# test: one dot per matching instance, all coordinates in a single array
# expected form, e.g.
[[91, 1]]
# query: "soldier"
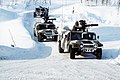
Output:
[[76, 26], [81, 27]]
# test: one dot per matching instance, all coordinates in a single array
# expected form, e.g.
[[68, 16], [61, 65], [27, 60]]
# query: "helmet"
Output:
[[77, 23]]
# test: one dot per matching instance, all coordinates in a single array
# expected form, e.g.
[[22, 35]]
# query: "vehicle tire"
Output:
[[39, 38], [34, 14], [99, 53], [60, 49], [72, 53], [55, 38], [34, 33]]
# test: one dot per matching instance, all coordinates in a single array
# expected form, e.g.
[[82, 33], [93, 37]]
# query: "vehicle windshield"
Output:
[[40, 27], [50, 27], [89, 36], [75, 36]]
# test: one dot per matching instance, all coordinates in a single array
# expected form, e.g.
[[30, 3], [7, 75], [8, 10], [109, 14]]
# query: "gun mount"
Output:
[[82, 26]]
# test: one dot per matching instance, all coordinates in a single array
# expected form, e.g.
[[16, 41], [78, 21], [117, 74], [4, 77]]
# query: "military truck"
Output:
[[46, 31], [77, 43], [41, 12], [80, 42]]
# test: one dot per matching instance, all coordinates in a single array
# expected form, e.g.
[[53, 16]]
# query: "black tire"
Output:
[[39, 38], [55, 38], [60, 49], [34, 33], [35, 14], [72, 53], [99, 53]]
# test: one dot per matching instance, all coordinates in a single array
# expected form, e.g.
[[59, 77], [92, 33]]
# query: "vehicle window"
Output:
[[75, 36], [68, 37], [89, 36], [40, 27], [51, 27]]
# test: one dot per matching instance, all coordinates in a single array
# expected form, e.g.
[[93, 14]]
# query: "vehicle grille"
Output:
[[48, 32], [88, 45]]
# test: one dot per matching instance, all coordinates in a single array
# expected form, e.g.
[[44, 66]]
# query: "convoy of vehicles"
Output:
[[76, 41]]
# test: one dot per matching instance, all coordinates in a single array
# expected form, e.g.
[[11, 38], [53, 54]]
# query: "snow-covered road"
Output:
[[33, 60], [59, 67]]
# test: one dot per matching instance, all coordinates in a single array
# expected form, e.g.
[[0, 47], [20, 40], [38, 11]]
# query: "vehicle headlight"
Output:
[[81, 45], [95, 46], [76, 45], [56, 32]]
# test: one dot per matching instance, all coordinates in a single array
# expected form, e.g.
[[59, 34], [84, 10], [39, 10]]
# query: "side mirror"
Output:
[[98, 37], [65, 36]]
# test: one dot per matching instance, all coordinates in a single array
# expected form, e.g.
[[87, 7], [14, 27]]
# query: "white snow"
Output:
[[22, 57]]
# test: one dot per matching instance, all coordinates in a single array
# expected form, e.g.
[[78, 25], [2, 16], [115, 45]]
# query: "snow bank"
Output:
[[7, 15], [16, 42], [16, 53]]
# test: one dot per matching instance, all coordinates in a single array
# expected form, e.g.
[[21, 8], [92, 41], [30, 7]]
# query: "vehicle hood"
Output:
[[87, 42], [44, 30], [82, 42]]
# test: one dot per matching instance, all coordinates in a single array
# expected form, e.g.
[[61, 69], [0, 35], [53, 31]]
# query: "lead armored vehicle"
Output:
[[80, 42], [77, 43]]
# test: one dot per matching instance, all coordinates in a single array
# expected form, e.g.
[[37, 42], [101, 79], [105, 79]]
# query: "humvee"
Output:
[[45, 31], [41, 12], [78, 42]]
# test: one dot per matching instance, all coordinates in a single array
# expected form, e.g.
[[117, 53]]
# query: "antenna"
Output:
[[62, 17]]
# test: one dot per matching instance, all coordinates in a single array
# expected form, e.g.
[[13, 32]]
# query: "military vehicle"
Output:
[[80, 42], [41, 12], [46, 31]]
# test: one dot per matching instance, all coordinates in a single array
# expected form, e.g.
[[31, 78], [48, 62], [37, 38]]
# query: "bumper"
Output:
[[88, 50]]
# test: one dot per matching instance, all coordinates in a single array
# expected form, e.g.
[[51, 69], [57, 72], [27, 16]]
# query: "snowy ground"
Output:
[[22, 57]]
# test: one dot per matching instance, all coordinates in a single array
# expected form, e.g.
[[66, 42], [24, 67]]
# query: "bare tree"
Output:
[[107, 1], [0, 2], [118, 6], [96, 2], [103, 2], [81, 1], [50, 2]]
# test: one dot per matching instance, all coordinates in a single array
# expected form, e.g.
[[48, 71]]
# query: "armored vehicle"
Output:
[[77, 43], [46, 31], [41, 12]]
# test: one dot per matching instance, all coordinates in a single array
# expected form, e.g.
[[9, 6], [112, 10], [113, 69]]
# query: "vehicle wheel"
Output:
[[34, 33], [39, 38], [99, 53], [34, 14], [60, 49], [55, 38], [72, 53]]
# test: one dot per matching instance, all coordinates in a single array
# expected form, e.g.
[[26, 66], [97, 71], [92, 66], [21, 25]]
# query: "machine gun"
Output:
[[84, 25], [49, 20]]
